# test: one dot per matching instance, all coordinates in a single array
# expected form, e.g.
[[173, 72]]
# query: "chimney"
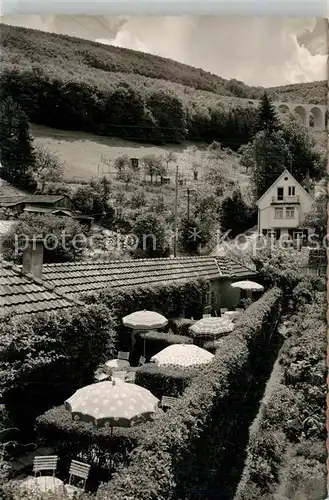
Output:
[[33, 258]]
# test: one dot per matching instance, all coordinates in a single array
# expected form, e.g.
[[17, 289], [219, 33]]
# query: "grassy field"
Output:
[[82, 154]]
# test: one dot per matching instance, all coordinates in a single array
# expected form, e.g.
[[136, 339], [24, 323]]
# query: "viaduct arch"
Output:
[[313, 116]]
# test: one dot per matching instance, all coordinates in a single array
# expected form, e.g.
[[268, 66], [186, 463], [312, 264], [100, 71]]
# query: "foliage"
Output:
[[286, 451], [149, 229], [170, 299], [62, 235], [151, 342], [94, 445], [16, 149], [180, 326], [268, 118], [270, 153], [317, 217], [161, 464], [93, 199], [195, 233], [46, 357], [164, 380], [235, 215], [47, 167]]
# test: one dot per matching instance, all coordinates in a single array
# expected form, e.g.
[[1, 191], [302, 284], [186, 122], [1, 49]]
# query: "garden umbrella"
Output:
[[182, 355], [211, 327], [144, 320], [252, 286], [108, 404]]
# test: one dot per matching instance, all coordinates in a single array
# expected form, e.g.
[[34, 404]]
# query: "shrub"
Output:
[[180, 326], [46, 357], [170, 299], [150, 343], [162, 462], [164, 380], [93, 445]]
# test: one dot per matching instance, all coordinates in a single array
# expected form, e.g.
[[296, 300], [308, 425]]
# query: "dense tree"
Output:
[[151, 238], [93, 200], [63, 237], [121, 163], [194, 234], [316, 219], [16, 149], [267, 119], [235, 215], [47, 167]]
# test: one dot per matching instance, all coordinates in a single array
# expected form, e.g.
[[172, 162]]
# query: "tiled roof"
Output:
[[73, 278], [36, 198], [22, 294]]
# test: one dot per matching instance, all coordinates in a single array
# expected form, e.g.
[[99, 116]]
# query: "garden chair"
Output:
[[45, 463], [123, 355], [167, 401], [141, 361], [119, 375], [223, 310], [79, 473], [239, 309]]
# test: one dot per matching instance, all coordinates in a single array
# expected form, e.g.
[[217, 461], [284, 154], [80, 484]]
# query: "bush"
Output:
[[46, 357], [93, 445], [294, 416], [164, 380], [181, 326], [170, 299], [150, 343], [161, 464]]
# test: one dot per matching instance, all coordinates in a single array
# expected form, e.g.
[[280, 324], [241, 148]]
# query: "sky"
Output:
[[264, 51]]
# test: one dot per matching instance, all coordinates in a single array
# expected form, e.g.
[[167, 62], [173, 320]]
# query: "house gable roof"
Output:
[[23, 294], [73, 278], [284, 173]]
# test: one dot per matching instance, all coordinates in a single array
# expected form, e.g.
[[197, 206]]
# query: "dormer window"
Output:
[[291, 191]]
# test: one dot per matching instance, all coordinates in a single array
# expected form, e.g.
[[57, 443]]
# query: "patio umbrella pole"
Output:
[[111, 450]]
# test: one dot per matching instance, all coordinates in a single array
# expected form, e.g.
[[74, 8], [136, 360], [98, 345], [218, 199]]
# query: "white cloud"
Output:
[[258, 51]]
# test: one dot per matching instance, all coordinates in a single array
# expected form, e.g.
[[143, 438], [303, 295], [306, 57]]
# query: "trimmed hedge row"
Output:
[[152, 342], [164, 380], [185, 298], [46, 357], [93, 445], [180, 326], [158, 465], [287, 451]]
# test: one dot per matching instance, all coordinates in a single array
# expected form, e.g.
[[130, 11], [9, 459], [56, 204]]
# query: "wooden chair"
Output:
[[223, 310], [80, 472], [167, 401], [45, 463]]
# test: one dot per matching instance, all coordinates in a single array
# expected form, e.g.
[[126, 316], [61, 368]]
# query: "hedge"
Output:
[[164, 380], [184, 298], [287, 451], [71, 439], [46, 357], [152, 342], [180, 326], [161, 465]]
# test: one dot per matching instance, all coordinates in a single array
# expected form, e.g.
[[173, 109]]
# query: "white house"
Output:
[[282, 208]]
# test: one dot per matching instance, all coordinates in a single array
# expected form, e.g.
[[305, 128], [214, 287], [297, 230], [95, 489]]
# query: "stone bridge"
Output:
[[313, 116]]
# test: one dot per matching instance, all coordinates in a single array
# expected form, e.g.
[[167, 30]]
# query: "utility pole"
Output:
[[175, 218], [188, 204]]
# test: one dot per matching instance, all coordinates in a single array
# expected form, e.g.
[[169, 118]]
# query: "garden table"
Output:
[[43, 484]]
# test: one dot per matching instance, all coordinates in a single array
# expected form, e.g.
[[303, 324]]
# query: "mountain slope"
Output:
[[22, 46]]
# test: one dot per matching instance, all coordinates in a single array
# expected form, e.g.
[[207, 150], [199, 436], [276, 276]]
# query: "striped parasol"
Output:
[[211, 327], [182, 355], [144, 320]]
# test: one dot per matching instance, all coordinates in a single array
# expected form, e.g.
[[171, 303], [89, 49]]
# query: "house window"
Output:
[[291, 191], [290, 212], [280, 194], [278, 213]]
